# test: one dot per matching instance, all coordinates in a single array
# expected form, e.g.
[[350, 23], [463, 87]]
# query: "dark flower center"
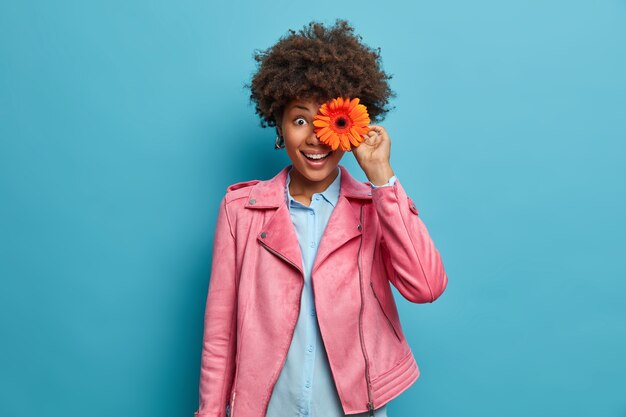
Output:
[[341, 122]]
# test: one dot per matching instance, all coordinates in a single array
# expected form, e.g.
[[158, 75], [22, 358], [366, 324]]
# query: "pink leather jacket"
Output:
[[374, 236]]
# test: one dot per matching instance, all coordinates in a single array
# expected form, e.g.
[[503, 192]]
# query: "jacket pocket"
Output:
[[382, 308], [412, 206]]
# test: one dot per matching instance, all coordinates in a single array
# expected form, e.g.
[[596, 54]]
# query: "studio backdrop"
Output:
[[122, 124]]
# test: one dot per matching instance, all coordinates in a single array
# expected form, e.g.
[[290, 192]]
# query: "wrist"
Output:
[[379, 175]]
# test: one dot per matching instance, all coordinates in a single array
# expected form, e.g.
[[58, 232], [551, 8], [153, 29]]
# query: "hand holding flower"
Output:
[[344, 122], [373, 155]]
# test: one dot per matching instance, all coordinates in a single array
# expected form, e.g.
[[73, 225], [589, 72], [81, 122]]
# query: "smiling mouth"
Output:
[[316, 157]]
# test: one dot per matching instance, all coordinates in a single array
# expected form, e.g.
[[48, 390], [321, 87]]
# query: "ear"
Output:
[[278, 122]]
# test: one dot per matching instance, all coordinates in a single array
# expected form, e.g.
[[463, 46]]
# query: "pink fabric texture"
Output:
[[374, 238]]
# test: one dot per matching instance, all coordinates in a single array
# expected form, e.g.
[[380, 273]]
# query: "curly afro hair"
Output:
[[319, 63]]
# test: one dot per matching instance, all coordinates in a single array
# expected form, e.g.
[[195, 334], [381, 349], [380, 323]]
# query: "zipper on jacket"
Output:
[[232, 405], [393, 329], [293, 325], [281, 256], [370, 403]]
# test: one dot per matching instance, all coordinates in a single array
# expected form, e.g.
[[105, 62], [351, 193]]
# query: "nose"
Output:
[[314, 141]]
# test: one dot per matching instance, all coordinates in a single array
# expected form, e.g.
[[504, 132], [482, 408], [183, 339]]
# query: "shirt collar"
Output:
[[331, 193]]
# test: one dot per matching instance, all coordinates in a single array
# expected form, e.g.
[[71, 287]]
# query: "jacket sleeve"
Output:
[[219, 339], [411, 259]]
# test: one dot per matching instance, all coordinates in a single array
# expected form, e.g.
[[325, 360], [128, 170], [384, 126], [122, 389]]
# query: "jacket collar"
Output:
[[271, 193], [278, 233]]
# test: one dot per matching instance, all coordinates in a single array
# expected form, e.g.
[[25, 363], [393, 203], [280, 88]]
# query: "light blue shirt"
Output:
[[305, 386]]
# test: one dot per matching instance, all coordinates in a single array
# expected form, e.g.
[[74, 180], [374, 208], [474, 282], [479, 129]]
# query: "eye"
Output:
[[298, 119]]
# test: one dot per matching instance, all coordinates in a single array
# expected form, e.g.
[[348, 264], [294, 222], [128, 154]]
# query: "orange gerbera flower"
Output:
[[341, 121]]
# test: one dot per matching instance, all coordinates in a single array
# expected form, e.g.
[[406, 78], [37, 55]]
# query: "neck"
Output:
[[299, 185]]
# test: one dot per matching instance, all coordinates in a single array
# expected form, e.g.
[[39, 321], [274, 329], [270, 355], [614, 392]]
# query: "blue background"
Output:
[[122, 123]]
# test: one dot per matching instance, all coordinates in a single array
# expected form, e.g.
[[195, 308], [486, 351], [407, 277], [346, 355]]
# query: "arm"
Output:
[[411, 260], [220, 318], [414, 264]]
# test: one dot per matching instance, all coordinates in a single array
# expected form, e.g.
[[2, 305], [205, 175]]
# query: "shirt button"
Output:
[[312, 312], [312, 244], [311, 213], [317, 197], [310, 348], [308, 385]]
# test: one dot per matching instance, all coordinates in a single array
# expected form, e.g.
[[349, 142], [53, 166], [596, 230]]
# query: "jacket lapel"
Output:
[[281, 238], [343, 226], [278, 234]]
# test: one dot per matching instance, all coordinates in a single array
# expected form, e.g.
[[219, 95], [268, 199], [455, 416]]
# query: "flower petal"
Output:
[[323, 131], [355, 139], [358, 111], [327, 135], [333, 141], [320, 123], [361, 120], [362, 130], [353, 104], [345, 143]]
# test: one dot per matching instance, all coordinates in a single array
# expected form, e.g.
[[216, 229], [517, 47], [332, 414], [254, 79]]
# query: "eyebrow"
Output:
[[300, 107]]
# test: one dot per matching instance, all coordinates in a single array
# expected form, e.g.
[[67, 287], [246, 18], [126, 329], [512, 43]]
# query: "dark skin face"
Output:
[[296, 127]]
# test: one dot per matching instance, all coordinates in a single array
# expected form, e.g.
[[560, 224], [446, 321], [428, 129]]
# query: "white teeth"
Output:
[[316, 156]]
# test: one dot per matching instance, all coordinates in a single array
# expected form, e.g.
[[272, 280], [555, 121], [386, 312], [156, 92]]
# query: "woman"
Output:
[[300, 317]]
